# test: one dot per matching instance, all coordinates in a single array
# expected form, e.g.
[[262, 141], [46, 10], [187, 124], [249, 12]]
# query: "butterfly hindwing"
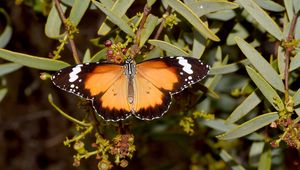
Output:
[[113, 104], [150, 101]]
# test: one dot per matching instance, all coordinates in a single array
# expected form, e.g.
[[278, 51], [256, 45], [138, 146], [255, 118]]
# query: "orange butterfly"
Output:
[[143, 90]]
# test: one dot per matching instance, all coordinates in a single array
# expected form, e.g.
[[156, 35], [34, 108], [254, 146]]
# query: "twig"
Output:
[[289, 49], [161, 26], [135, 48], [81, 123], [63, 19]]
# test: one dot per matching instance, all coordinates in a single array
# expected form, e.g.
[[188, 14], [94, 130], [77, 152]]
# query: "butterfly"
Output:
[[144, 90]]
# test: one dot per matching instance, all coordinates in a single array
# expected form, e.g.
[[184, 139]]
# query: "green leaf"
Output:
[[193, 19], [233, 164], [168, 47], [107, 3], [228, 68], [99, 55], [270, 5], [244, 108], [149, 27], [78, 10], [262, 18], [296, 97], [32, 61], [115, 16], [87, 56], [154, 53], [208, 6], [7, 32], [265, 160], [255, 152], [8, 68], [198, 44], [53, 24], [296, 5], [295, 62], [224, 15], [260, 63], [288, 4], [150, 2], [270, 94], [238, 30], [250, 126], [3, 92], [218, 124], [281, 61]]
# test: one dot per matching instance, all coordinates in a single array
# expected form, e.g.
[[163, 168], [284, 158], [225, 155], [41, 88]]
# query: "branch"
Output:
[[161, 26], [63, 19], [289, 48], [135, 48]]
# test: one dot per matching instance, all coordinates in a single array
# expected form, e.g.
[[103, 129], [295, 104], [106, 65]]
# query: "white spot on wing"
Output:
[[73, 75], [186, 66]]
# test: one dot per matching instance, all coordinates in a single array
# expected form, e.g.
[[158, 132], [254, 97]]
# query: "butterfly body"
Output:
[[143, 90]]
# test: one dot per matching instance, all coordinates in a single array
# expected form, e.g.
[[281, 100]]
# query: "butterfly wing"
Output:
[[157, 79], [104, 84]]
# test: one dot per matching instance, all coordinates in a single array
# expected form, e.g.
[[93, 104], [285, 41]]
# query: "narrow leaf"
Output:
[[148, 29], [260, 63], [228, 68], [230, 161], [3, 92], [32, 61], [119, 8], [198, 44], [78, 10], [244, 108], [7, 32], [208, 6], [99, 55], [288, 4], [189, 15], [270, 5], [250, 126], [218, 124], [296, 97], [270, 94], [87, 56], [281, 61], [255, 152], [238, 30], [114, 18], [53, 24], [8, 68], [265, 160], [262, 18], [295, 62], [168, 47]]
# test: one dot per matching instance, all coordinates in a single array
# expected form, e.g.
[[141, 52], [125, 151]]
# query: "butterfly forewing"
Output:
[[173, 73]]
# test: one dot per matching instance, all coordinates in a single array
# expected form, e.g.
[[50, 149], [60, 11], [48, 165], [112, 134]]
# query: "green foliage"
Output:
[[244, 109]]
